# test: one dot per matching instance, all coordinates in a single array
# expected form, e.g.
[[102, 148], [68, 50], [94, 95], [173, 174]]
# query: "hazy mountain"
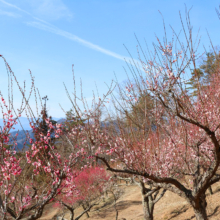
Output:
[[21, 138], [25, 123]]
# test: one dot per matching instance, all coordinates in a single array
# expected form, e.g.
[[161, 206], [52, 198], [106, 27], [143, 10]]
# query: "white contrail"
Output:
[[73, 37], [43, 25], [14, 6]]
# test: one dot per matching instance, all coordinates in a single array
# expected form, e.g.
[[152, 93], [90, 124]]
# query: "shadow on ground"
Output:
[[120, 206], [179, 211]]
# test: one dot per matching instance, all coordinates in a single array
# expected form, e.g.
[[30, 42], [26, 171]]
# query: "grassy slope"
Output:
[[129, 205]]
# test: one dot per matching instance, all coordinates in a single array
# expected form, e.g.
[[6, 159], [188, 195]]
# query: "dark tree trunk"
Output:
[[71, 214], [200, 208], [148, 208], [116, 212], [200, 213], [84, 208], [210, 190]]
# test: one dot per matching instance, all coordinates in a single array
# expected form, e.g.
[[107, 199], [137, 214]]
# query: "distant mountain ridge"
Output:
[[21, 138], [26, 123]]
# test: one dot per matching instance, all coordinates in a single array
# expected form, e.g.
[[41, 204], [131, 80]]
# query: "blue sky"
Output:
[[48, 36]]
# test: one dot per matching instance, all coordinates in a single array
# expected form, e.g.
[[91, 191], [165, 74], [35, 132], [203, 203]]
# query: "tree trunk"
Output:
[[116, 211], [200, 209], [84, 208], [71, 214], [148, 208], [200, 213], [210, 190]]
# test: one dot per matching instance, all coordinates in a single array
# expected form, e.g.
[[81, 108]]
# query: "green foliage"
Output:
[[141, 110], [202, 75], [42, 126], [72, 120], [140, 116], [8, 146]]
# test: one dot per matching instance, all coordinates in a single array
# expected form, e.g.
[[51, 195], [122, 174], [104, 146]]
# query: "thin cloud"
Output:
[[43, 25], [51, 9], [10, 14], [15, 7], [75, 38]]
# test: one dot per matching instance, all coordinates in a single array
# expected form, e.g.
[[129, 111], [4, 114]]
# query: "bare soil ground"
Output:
[[129, 206]]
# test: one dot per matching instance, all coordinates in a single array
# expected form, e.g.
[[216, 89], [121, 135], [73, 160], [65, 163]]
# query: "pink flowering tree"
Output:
[[32, 178], [180, 150], [85, 190], [22, 195]]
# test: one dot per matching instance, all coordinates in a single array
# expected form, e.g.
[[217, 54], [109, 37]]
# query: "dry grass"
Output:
[[170, 207]]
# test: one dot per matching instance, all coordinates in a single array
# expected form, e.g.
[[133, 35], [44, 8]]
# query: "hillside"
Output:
[[129, 205]]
